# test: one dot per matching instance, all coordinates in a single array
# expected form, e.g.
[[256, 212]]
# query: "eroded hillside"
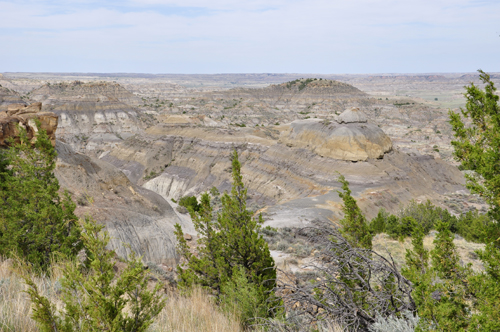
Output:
[[127, 154], [93, 117]]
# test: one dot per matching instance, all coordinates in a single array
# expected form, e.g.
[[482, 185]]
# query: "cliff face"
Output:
[[25, 115]]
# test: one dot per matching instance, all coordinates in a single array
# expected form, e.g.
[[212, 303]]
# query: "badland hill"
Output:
[[128, 150]]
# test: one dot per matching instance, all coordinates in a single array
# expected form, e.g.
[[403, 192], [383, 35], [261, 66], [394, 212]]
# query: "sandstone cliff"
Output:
[[25, 115]]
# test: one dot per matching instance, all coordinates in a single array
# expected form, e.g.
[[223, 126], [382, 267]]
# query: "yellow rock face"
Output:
[[25, 116], [352, 141]]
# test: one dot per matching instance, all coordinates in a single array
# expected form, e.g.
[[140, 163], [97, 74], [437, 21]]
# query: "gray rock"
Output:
[[132, 215], [353, 115]]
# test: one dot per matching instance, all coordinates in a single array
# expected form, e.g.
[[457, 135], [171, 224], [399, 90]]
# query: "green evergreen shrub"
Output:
[[35, 220], [230, 241], [96, 298], [378, 224], [441, 292], [486, 288], [418, 258], [392, 227], [444, 255], [477, 146], [354, 227], [476, 227], [190, 203], [4, 171], [244, 297], [406, 227], [426, 214]]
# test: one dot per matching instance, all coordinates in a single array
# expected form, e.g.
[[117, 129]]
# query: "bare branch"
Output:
[[353, 286]]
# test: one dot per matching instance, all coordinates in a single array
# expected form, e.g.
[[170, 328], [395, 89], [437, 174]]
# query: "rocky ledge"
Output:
[[25, 116]]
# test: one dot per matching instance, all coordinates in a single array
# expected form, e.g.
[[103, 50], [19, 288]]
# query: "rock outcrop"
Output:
[[26, 115], [349, 138], [353, 115], [56, 94]]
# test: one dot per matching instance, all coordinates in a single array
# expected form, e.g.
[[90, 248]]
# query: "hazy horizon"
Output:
[[248, 73]]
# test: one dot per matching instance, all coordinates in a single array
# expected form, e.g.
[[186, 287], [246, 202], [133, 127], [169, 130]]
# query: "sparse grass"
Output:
[[15, 306], [195, 312], [286, 240]]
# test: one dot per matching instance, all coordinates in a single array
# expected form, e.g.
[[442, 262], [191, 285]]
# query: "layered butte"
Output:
[[350, 137], [92, 116]]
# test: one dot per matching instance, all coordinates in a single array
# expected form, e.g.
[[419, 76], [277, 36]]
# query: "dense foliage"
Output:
[[190, 203], [354, 227], [477, 144], [36, 221], [473, 226], [231, 252], [440, 290], [477, 147]]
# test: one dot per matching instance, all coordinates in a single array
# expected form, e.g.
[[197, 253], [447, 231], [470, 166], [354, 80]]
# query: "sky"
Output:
[[250, 36]]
